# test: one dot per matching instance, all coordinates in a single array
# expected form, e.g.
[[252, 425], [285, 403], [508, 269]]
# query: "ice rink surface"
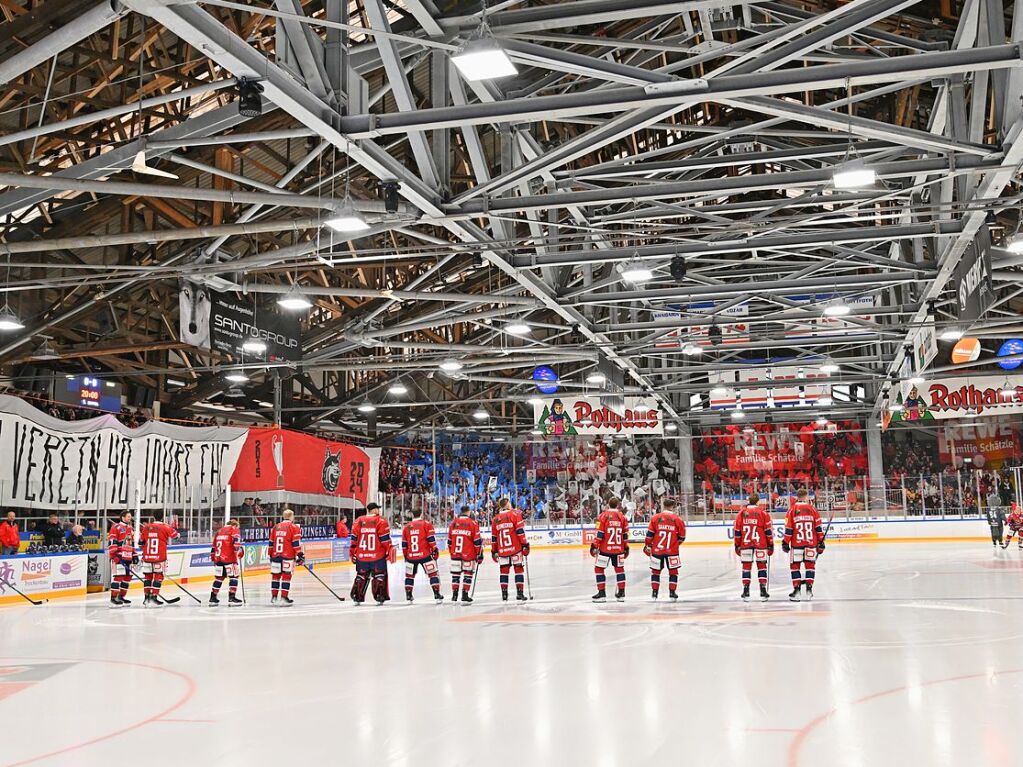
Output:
[[910, 654]]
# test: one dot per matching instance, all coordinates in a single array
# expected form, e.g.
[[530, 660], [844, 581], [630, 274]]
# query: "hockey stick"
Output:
[[183, 589], [529, 585], [241, 576], [171, 601], [475, 579], [35, 602], [328, 588]]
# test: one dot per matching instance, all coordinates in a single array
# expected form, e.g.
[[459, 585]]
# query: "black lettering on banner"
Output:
[[46, 489], [186, 480], [19, 451], [62, 499], [257, 452], [30, 463], [356, 477]]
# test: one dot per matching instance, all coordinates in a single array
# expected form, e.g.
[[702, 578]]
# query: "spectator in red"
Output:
[[341, 529], [10, 540]]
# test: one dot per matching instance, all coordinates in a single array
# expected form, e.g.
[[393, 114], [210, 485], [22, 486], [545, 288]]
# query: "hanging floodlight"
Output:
[[596, 379], [237, 376], [367, 407], [518, 329], [250, 98], [670, 427], [853, 174], [398, 389], [347, 220], [837, 308], [636, 272], [8, 319], [481, 415], [829, 366], [482, 58], [691, 349], [451, 366], [294, 300]]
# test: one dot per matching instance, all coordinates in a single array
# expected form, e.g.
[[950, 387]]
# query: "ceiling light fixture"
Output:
[[635, 272], [518, 329], [250, 98], [738, 415], [670, 427], [237, 376], [596, 379], [294, 300], [482, 58], [691, 349], [837, 308], [829, 366], [347, 220], [481, 415], [367, 407], [397, 389], [450, 366], [951, 334], [8, 319]]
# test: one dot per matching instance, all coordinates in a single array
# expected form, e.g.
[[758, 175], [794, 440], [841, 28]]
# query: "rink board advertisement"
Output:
[[43, 577], [99, 463], [279, 465], [587, 417]]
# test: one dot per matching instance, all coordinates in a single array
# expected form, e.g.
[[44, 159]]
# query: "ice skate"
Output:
[[764, 596], [600, 596], [794, 596], [745, 593]]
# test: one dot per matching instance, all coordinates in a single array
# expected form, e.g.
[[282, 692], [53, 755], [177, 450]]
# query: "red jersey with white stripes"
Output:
[[507, 533], [285, 540], [121, 542], [665, 533], [418, 539], [752, 529], [227, 546], [612, 532], [153, 538], [803, 526], [371, 538], [464, 539]]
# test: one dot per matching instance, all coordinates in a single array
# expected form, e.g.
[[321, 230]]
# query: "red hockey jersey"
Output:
[[612, 532], [371, 538], [752, 529], [465, 542], [665, 533], [803, 526], [153, 538], [507, 533], [227, 546], [418, 540], [121, 542], [285, 540]]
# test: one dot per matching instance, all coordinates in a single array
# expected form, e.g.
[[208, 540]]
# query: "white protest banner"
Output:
[[100, 463]]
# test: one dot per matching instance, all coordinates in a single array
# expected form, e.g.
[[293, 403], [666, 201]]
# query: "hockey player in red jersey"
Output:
[[509, 547], [419, 547], [228, 554], [803, 541], [121, 550], [285, 553], [1015, 524], [664, 535], [753, 538], [465, 545], [611, 547], [371, 544], [153, 538]]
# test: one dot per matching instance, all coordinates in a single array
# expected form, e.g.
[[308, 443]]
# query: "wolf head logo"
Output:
[[331, 470]]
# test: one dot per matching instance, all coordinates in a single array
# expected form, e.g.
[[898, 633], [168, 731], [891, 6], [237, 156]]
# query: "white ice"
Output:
[[910, 654]]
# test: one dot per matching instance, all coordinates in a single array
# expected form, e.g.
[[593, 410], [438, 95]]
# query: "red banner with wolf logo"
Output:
[[290, 464]]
